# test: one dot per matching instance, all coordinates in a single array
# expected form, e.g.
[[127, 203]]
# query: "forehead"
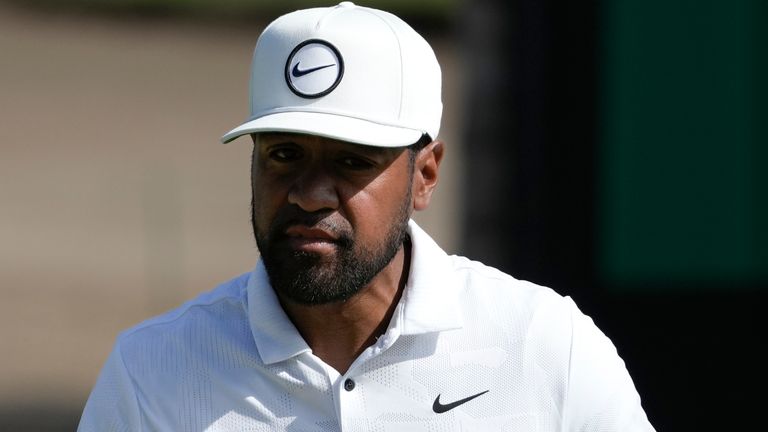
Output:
[[270, 138]]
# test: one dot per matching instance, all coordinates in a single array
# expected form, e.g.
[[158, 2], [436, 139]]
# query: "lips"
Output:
[[310, 239], [299, 231]]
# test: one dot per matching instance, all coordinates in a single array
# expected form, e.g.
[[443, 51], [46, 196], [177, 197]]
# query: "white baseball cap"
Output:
[[346, 72]]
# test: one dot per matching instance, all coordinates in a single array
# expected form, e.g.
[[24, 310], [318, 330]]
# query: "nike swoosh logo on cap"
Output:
[[439, 408], [296, 72]]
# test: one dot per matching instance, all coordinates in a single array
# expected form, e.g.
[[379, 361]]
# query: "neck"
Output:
[[339, 332]]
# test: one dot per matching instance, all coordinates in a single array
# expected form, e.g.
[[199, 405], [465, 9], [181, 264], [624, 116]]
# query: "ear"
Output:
[[426, 171]]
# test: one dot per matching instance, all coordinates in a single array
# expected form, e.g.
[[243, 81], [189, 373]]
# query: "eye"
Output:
[[354, 163], [285, 153]]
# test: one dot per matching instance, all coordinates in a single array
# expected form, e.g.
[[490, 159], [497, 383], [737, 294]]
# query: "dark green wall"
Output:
[[683, 190]]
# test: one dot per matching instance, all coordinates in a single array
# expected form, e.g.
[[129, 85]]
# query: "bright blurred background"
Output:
[[614, 150]]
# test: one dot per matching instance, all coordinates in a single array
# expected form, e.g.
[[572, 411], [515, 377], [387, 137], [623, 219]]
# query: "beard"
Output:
[[312, 279]]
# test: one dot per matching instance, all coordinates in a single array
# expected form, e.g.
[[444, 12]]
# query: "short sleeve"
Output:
[[112, 405], [600, 395]]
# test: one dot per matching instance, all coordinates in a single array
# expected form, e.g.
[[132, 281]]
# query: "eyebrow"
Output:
[[371, 150], [259, 137]]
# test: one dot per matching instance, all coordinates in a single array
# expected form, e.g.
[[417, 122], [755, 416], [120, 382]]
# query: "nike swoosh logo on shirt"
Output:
[[441, 408], [296, 72]]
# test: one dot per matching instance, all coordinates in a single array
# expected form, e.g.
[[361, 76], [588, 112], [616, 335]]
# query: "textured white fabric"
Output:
[[231, 360]]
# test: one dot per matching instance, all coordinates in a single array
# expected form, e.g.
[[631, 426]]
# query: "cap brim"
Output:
[[334, 126]]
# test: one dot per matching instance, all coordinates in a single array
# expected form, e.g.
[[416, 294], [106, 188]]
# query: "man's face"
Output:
[[328, 216]]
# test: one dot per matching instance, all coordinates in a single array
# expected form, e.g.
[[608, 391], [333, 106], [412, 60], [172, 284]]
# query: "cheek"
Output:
[[265, 203], [377, 206]]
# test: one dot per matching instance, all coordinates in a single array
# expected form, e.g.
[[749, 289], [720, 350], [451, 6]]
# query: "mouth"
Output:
[[308, 239]]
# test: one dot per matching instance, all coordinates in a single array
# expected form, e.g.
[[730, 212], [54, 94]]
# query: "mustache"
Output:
[[326, 220]]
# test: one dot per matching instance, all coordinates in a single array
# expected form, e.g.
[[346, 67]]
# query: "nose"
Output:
[[314, 190]]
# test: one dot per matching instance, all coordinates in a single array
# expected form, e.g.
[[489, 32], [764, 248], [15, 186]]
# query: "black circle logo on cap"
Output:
[[314, 69]]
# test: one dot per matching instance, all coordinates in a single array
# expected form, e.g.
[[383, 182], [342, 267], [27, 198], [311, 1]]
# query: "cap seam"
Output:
[[400, 56], [329, 12]]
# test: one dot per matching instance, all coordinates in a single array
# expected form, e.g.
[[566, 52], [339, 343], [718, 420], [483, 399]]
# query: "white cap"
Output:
[[346, 72]]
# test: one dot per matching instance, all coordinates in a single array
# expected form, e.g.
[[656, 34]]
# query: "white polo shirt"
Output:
[[469, 348]]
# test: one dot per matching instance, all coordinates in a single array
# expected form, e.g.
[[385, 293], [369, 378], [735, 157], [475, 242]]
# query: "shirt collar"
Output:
[[276, 337], [429, 303]]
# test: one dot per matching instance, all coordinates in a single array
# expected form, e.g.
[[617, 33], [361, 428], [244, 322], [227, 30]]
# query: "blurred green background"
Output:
[[684, 135]]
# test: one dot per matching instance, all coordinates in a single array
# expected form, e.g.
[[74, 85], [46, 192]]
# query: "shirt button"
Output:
[[349, 385]]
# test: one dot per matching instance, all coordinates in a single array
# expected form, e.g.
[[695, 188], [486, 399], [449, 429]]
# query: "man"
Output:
[[354, 319]]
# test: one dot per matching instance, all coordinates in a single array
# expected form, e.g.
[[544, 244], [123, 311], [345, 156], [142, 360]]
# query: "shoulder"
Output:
[[479, 280], [203, 315], [532, 315], [151, 362]]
